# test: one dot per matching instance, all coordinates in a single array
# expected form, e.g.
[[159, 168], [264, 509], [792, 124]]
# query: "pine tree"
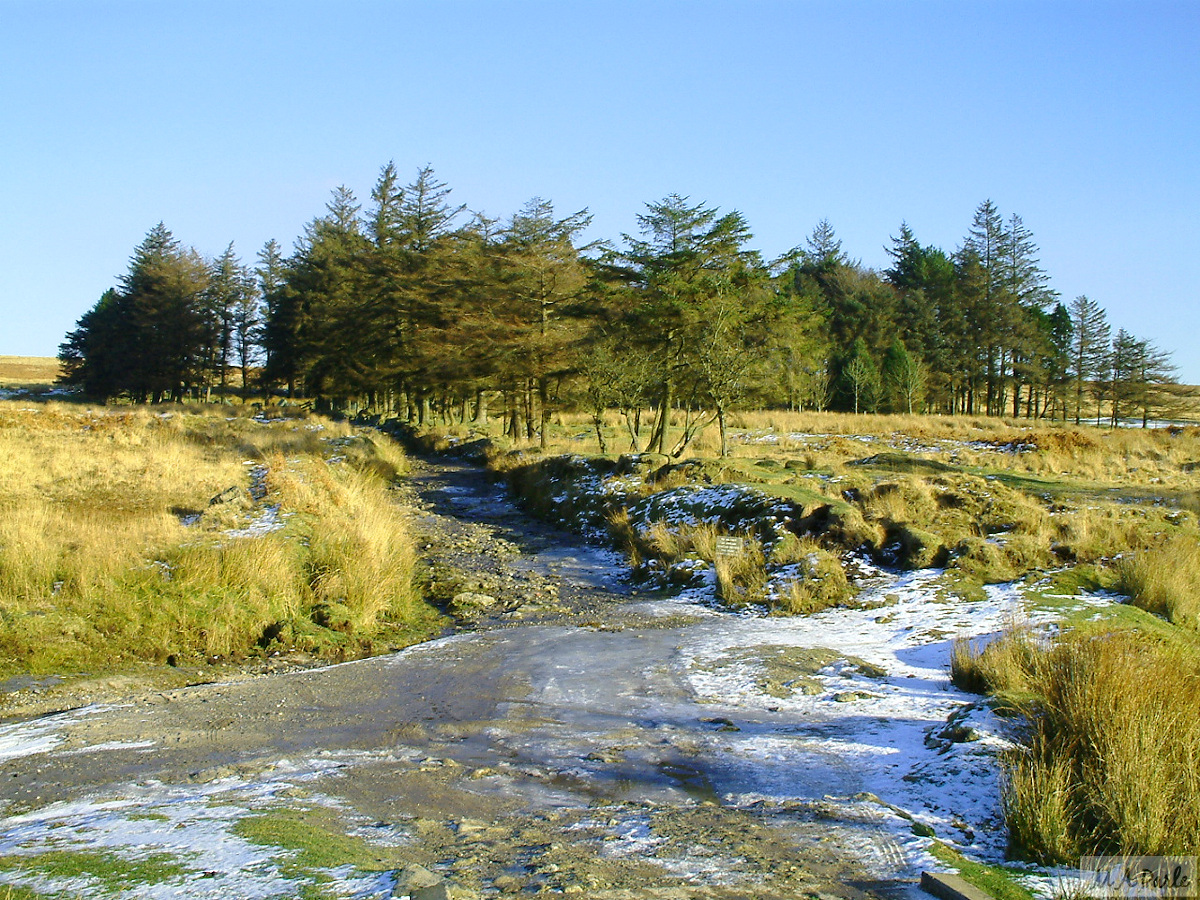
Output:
[[993, 311], [665, 268], [227, 296], [162, 318], [279, 331], [927, 314], [95, 354], [1089, 348], [902, 379], [542, 272]]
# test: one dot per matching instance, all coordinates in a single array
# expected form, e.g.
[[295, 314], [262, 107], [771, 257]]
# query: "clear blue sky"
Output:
[[232, 121]]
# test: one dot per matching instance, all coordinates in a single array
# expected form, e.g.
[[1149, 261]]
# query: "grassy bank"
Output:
[[1110, 766], [178, 536]]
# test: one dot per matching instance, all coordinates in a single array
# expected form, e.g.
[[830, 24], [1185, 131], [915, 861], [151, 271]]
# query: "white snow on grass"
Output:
[[268, 519], [18, 739], [28, 738], [869, 736], [193, 824]]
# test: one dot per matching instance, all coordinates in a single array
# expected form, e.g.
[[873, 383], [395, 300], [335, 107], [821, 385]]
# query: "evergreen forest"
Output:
[[412, 305]]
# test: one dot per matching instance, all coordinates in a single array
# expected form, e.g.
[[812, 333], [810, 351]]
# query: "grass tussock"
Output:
[[1111, 766], [816, 578], [112, 550], [1165, 579], [742, 576]]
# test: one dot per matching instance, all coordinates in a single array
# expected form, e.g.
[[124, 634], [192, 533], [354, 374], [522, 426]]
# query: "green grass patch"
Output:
[[997, 881], [111, 871], [149, 817], [957, 584], [905, 463], [316, 839], [21, 892]]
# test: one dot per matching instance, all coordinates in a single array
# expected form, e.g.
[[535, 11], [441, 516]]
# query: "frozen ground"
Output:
[[664, 743]]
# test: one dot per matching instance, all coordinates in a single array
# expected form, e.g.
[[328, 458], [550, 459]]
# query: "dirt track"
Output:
[[554, 744]]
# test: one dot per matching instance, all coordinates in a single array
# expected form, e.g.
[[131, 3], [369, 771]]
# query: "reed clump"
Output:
[[1165, 579], [1110, 765], [815, 580]]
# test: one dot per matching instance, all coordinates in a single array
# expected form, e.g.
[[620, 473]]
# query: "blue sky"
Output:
[[232, 121]]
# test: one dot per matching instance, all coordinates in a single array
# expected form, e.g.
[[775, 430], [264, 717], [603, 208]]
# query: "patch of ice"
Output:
[[26, 739], [268, 520], [877, 735]]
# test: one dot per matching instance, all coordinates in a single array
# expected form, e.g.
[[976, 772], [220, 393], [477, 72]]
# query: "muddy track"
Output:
[[554, 742]]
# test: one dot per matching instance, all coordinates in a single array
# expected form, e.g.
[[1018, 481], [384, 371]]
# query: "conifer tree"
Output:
[[1089, 349]]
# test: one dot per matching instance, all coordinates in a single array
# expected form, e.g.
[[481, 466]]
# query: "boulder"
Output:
[[418, 883]]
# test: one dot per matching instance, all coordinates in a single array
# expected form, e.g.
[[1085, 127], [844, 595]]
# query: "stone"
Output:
[[229, 495], [470, 600], [853, 696], [413, 878]]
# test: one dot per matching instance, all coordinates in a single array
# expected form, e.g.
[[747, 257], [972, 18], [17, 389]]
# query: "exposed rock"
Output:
[[229, 495], [413, 879], [853, 696], [470, 601], [960, 734]]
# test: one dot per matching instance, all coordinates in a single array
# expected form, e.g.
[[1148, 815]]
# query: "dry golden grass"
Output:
[[820, 580], [97, 565], [1165, 579], [29, 370], [1112, 765], [902, 500]]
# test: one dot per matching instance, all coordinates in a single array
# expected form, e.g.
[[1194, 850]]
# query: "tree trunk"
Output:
[[481, 406], [544, 400], [598, 421], [664, 424], [529, 410], [513, 428], [632, 425]]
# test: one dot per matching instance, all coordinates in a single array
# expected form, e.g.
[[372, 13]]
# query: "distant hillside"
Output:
[[28, 370]]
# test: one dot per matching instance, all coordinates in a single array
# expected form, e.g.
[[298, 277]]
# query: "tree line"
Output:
[[416, 306]]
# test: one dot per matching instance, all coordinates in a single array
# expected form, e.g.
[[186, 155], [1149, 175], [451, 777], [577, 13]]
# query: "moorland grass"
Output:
[[1111, 764], [1165, 579], [991, 499], [29, 371], [111, 551]]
